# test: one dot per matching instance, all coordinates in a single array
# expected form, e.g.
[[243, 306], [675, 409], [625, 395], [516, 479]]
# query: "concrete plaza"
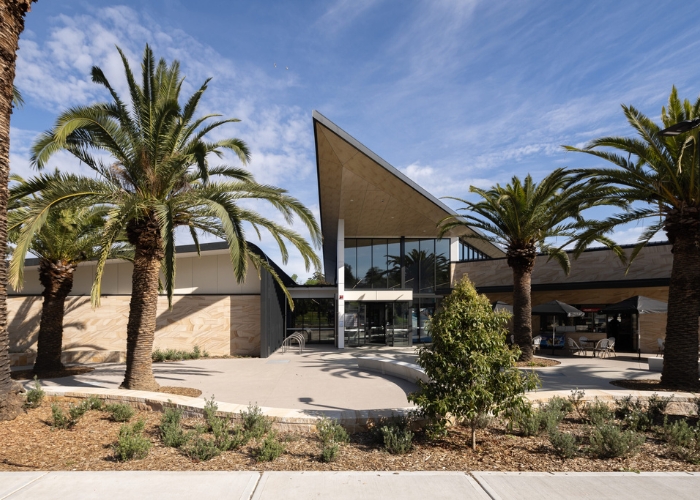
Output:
[[324, 378]]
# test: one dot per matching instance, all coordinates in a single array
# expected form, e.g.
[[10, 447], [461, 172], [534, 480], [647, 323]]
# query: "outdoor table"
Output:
[[586, 343]]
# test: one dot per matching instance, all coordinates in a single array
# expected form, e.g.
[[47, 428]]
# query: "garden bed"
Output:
[[537, 363], [30, 443]]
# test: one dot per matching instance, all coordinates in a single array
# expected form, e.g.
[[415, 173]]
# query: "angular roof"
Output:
[[371, 196]]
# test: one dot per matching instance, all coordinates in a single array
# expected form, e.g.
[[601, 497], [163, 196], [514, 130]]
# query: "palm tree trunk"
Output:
[[681, 350], [141, 327], [522, 310], [12, 14], [57, 279]]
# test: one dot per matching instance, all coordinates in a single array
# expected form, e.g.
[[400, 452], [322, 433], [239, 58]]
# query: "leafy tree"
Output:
[[660, 177], [317, 278], [12, 13], [472, 371], [159, 178], [68, 237], [524, 217]]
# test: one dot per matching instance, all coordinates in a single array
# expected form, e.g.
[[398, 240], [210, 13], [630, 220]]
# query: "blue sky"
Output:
[[452, 92]]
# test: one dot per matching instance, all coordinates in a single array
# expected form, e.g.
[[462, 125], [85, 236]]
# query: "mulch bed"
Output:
[[68, 371], [180, 391], [537, 363], [29, 443], [646, 385]]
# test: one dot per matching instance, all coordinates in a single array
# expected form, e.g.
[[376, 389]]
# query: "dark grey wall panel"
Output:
[[272, 308]]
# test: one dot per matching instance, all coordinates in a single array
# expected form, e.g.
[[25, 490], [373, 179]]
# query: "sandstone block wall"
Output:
[[219, 324]]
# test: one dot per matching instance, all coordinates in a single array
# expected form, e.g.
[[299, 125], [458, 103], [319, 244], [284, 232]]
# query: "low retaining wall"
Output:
[[288, 420], [82, 356], [407, 371]]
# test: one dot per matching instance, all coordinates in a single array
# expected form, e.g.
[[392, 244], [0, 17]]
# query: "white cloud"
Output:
[[53, 72]]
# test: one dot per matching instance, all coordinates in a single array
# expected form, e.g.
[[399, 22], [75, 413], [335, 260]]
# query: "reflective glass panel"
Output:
[[377, 273], [350, 263], [442, 263], [427, 266], [394, 264], [364, 263], [412, 262]]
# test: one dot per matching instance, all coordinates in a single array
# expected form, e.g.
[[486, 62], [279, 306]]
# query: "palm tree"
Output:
[[12, 14], [523, 217], [68, 237], [159, 178], [661, 176]]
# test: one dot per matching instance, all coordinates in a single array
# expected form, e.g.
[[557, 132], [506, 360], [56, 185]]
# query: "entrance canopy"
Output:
[[373, 198], [637, 304]]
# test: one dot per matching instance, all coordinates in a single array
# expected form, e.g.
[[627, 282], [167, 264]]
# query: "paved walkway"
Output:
[[325, 378], [348, 485], [318, 379]]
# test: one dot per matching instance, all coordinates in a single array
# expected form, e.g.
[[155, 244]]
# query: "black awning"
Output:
[[637, 304], [557, 308]]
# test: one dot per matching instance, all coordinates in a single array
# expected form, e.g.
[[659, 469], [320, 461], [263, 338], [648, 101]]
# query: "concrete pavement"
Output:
[[348, 485]]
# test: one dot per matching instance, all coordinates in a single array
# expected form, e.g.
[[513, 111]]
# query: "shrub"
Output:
[[577, 402], [131, 444], [200, 447], [171, 431], [684, 441], [332, 434], [270, 449], [210, 409], [656, 408], [632, 414], [472, 370], [255, 423], [93, 403], [59, 419], [608, 440], [120, 412], [564, 444], [329, 452], [330, 431], [530, 421], [75, 412], [35, 395], [158, 356], [397, 437], [527, 421], [598, 412]]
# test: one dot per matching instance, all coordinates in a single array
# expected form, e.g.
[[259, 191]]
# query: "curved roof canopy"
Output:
[[372, 197]]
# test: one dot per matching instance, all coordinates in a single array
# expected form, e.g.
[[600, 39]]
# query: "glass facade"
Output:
[[376, 263], [372, 263], [314, 318], [468, 252], [422, 310]]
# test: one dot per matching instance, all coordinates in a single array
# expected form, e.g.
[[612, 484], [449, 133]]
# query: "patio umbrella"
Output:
[[640, 305], [502, 306], [556, 308]]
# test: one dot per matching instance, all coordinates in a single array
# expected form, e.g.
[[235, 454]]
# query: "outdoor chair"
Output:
[[602, 347], [574, 348], [536, 343], [611, 346], [661, 345]]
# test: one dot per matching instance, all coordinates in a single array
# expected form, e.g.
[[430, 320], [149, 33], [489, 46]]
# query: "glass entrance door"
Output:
[[377, 323]]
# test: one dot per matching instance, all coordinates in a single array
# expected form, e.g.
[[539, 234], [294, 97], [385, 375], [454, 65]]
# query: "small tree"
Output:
[[472, 371]]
